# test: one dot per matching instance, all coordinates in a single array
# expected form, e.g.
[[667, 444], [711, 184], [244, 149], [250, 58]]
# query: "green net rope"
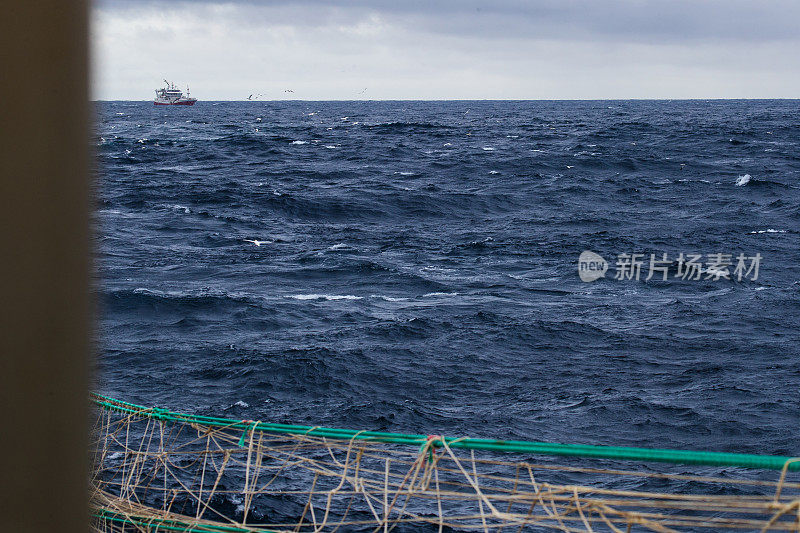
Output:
[[687, 457]]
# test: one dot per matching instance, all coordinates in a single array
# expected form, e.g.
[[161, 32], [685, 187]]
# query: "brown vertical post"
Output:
[[44, 245]]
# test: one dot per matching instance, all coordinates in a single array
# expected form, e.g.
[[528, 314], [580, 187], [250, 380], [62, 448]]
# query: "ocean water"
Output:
[[416, 267]]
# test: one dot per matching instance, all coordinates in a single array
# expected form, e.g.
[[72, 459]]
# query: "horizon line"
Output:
[[470, 99]]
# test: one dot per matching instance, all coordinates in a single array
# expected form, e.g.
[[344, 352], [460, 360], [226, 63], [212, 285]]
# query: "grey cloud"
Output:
[[450, 49], [640, 21]]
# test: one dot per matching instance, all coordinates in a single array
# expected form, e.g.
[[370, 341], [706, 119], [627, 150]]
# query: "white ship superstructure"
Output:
[[171, 95]]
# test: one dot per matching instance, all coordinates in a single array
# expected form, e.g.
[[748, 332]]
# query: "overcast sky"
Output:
[[450, 49]]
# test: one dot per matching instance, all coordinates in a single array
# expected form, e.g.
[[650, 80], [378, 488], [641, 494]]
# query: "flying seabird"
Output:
[[257, 243]]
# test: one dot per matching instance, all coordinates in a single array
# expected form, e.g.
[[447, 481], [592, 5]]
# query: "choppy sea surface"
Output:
[[416, 267]]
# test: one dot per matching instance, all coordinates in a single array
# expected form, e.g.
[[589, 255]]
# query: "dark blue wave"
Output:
[[415, 267]]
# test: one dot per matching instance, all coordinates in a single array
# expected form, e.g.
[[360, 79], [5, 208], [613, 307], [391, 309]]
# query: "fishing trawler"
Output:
[[171, 95]]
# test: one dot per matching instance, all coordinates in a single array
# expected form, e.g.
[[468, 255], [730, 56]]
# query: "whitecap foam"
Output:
[[436, 294], [299, 142], [437, 269], [743, 180], [240, 403], [339, 246], [330, 146], [142, 290], [324, 297], [494, 172], [488, 149], [770, 230], [389, 298], [238, 503]]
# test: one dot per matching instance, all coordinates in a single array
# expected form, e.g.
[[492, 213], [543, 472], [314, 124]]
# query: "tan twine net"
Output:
[[160, 475]]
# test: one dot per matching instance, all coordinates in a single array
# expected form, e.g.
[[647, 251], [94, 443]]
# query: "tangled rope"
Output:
[[157, 470]]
